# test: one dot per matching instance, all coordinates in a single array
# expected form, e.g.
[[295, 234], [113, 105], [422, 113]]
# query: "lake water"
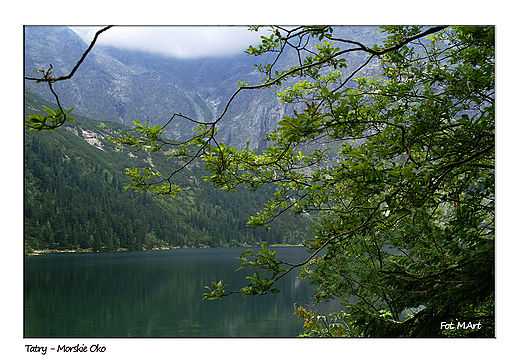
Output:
[[157, 294]]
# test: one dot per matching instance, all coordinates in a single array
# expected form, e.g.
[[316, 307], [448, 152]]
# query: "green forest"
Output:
[[75, 199]]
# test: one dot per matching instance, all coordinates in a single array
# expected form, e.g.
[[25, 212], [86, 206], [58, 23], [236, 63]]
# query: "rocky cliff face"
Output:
[[120, 85]]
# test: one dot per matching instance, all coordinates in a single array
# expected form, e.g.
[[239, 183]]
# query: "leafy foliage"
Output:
[[258, 285], [407, 198], [53, 120], [332, 325]]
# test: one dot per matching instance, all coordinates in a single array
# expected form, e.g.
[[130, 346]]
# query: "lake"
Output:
[[158, 294]]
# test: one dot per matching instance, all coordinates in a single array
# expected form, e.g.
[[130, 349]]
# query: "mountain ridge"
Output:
[[124, 85]]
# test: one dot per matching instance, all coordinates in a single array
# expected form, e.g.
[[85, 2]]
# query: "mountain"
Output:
[[122, 86], [74, 178], [75, 197], [125, 85]]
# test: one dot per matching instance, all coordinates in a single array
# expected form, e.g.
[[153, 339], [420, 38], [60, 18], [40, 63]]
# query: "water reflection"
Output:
[[156, 294]]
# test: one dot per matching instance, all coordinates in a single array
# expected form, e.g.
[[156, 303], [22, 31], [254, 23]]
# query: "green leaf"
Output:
[[50, 112], [402, 212], [356, 154]]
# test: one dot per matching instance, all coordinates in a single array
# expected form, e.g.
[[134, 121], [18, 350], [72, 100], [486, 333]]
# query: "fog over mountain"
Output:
[[122, 85], [184, 42]]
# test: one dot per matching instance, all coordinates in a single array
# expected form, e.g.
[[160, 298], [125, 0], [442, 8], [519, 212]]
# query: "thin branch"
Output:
[[75, 68]]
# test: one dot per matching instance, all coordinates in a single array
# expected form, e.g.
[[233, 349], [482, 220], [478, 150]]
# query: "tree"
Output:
[[407, 202], [399, 168]]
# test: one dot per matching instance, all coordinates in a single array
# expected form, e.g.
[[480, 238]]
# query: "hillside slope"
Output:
[[75, 197]]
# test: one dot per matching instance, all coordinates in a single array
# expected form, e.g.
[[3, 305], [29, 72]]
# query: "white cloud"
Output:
[[177, 41]]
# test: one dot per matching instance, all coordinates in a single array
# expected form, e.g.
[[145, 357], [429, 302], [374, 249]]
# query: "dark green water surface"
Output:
[[157, 294]]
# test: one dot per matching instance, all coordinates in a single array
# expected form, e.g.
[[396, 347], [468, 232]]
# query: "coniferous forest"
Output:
[[75, 198]]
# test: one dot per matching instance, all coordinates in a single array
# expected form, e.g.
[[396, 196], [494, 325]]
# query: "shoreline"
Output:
[[55, 251]]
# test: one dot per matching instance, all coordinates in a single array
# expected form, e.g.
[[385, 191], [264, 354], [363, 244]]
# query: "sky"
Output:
[[177, 41]]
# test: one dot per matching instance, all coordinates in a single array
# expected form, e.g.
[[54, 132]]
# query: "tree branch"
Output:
[[49, 79]]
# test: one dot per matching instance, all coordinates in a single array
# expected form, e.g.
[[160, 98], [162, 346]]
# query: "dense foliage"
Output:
[[407, 201]]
